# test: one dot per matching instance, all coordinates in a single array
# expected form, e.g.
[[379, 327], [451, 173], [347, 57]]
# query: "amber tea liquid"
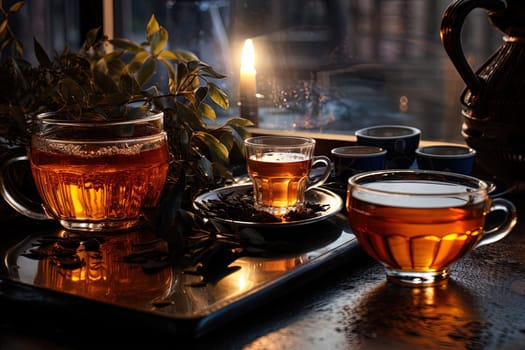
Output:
[[414, 233], [92, 182], [280, 180]]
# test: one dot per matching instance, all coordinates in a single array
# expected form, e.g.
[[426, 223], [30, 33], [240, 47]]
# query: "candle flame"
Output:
[[248, 57]]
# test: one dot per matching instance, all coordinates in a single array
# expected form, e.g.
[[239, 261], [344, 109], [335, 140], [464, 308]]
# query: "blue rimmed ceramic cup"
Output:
[[454, 158], [400, 142], [350, 160]]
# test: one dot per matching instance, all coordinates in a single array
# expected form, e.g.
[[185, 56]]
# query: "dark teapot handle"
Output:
[[451, 25]]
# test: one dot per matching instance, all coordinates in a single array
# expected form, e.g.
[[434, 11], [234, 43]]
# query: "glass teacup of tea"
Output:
[[92, 174], [418, 222], [282, 169]]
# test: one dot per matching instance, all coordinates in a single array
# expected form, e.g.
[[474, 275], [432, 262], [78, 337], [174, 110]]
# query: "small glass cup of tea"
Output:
[[418, 222], [282, 169], [92, 174]]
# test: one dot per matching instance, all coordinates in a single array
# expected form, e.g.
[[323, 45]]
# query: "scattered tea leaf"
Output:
[[63, 251], [237, 204]]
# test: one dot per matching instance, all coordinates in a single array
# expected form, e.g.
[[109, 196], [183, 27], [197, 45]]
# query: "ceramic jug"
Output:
[[494, 98]]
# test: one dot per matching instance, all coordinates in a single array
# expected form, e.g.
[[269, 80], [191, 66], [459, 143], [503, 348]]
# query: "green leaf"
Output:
[[113, 62], [172, 73], [218, 152], [186, 55], [200, 94], [129, 85], [137, 61], [238, 137], [41, 55], [3, 25], [91, 38], [104, 82], [227, 139], [182, 73], [16, 7], [146, 71], [71, 92], [101, 66], [19, 47], [194, 66], [208, 111], [152, 27], [3, 40], [19, 81], [115, 67], [159, 41], [4, 43], [207, 71], [168, 55], [188, 116], [218, 96], [239, 122], [206, 168], [126, 45]]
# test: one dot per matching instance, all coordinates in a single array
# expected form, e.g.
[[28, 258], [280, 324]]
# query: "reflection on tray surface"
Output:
[[89, 266], [115, 268]]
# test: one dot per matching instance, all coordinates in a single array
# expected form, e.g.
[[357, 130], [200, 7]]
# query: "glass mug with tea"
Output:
[[282, 169], [418, 222], [92, 175]]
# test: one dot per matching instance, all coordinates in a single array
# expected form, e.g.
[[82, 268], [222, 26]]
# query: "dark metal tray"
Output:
[[114, 292]]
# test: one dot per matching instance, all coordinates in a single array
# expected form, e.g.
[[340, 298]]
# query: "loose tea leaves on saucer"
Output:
[[235, 204]]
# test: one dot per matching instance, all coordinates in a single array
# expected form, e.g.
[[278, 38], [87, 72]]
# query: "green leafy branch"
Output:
[[117, 78]]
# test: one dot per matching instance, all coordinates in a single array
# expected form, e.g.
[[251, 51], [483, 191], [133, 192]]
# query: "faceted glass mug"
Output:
[[418, 222], [92, 174], [282, 169]]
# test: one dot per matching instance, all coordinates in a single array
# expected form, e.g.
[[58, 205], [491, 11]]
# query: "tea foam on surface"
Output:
[[418, 194]]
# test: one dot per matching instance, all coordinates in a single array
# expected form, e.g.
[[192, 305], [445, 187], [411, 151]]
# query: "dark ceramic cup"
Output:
[[400, 142], [350, 160], [454, 158]]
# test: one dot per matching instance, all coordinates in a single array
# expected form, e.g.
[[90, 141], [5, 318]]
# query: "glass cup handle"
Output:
[[319, 178], [504, 227], [14, 196]]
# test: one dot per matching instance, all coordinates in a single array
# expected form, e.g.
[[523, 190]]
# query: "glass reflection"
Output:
[[443, 317], [175, 291], [103, 275]]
